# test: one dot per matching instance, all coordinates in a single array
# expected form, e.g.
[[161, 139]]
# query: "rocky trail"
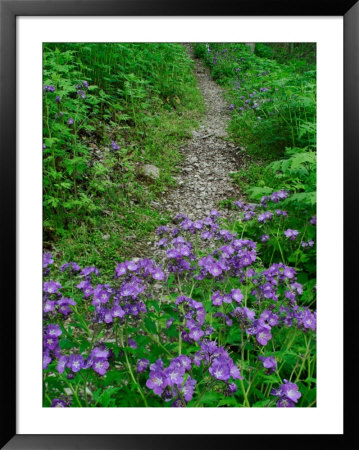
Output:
[[203, 181]]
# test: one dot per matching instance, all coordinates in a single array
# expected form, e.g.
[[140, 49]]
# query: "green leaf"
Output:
[[105, 397], [66, 343], [261, 404], [150, 325]]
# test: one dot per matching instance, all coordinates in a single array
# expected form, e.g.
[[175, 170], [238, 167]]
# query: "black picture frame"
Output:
[[9, 10]]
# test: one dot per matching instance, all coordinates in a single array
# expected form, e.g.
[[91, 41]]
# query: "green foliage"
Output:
[[141, 96], [274, 103]]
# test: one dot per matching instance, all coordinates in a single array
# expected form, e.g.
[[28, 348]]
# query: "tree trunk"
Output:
[[251, 45]]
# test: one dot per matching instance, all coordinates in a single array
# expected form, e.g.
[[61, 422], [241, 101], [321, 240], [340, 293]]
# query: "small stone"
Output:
[[151, 171]]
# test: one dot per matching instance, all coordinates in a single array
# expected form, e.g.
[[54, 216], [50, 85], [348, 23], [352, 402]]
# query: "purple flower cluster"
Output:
[[279, 195], [126, 299], [269, 363], [310, 243], [272, 297], [291, 234], [232, 259], [263, 218], [97, 360], [53, 301], [49, 88], [60, 403], [193, 314], [83, 84], [235, 294], [172, 383], [81, 93], [303, 318], [289, 394], [51, 348], [143, 268], [218, 361], [47, 260], [261, 330], [267, 283], [74, 267]]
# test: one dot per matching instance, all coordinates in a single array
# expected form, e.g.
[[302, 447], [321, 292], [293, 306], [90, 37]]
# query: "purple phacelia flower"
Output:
[[263, 334], [279, 195], [117, 311], [49, 306], [220, 369], [288, 272], [75, 363], [49, 88], [100, 352], [51, 287], [132, 343], [196, 333], [174, 375], [47, 260], [217, 299], [231, 389], [279, 212], [291, 391], [50, 342], [285, 403], [157, 381], [81, 93], [54, 330], [188, 389], [121, 270], [46, 359], [237, 295], [269, 363], [291, 234], [70, 121], [114, 145], [100, 365], [142, 365], [58, 403], [62, 363], [158, 274]]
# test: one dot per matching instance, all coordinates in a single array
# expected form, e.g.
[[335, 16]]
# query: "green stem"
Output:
[[246, 402], [304, 360], [74, 393], [156, 341], [48, 398], [130, 370], [202, 394]]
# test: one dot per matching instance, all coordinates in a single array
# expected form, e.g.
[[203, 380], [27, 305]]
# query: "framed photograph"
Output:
[[171, 220]]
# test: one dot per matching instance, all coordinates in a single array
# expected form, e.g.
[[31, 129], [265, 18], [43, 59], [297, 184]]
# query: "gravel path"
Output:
[[203, 180], [208, 158]]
